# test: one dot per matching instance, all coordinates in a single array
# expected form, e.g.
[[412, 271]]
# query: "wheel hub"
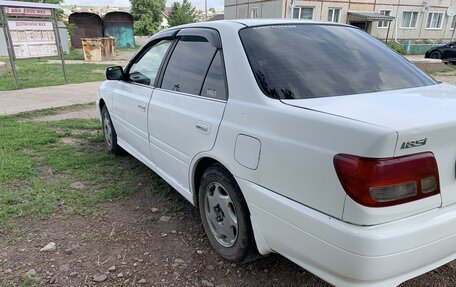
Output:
[[221, 214], [107, 130]]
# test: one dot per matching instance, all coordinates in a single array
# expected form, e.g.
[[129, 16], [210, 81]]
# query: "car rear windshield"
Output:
[[317, 60]]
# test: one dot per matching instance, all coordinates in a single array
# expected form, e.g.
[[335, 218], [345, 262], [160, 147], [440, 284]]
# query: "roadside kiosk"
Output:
[[30, 31]]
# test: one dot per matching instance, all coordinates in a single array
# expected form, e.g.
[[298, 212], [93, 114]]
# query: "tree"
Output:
[[212, 10], [147, 15], [43, 1], [181, 13]]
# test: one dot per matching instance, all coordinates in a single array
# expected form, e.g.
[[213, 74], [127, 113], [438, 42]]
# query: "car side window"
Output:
[[214, 84], [188, 65], [146, 68]]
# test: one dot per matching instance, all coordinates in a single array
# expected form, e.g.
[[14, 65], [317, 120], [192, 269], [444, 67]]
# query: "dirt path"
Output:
[[87, 112], [121, 58], [17, 101], [446, 77]]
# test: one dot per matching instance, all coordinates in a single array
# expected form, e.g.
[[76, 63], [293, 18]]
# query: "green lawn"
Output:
[[42, 164], [36, 73]]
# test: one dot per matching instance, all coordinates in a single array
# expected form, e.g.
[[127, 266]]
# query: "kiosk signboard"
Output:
[[30, 31], [33, 39], [27, 12]]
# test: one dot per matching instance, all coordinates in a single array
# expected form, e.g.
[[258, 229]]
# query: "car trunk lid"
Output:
[[424, 118]]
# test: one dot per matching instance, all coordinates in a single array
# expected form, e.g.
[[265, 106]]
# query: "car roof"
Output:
[[243, 23], [255, 22]]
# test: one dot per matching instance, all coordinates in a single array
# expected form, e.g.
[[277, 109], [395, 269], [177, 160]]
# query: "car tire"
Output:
[[109, 132], [225, 216], [435, 55]]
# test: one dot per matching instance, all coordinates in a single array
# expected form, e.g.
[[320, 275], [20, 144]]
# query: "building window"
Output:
[[333, 14], [303, 13], [409, 19], [254, 12], [434, 20], [384, 24], [453, 23]]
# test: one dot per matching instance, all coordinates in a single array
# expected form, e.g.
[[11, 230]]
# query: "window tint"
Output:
[[145, 70], [214, 85], [188, 65], [301, 61]]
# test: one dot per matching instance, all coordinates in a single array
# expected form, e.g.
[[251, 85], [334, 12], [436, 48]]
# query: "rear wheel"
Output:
[[225, 215], [435, 55], [109, 132]]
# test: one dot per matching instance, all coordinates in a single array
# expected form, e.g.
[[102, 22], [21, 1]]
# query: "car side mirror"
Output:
[[114, 73]]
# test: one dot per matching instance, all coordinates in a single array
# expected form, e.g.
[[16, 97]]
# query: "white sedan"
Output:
[[311, 140]]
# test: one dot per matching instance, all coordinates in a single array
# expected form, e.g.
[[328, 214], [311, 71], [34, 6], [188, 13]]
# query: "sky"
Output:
[[199, 4]]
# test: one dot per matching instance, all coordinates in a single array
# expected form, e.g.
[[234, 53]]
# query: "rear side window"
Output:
[[188, 65], [314, 61], [214, 85]]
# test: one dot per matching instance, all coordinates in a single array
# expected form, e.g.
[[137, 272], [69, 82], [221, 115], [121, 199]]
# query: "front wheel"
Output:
[[225, 216], [109, 132], [435, 55]]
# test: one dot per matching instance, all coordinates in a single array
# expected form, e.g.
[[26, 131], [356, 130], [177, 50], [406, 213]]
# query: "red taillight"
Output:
[[384, 182]]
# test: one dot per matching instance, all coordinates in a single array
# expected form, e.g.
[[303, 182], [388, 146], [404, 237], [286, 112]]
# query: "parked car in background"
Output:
[[445, 52], [339, 157]]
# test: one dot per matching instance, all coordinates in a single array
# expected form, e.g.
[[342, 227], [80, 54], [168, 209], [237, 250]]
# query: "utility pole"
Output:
[[205, 8]]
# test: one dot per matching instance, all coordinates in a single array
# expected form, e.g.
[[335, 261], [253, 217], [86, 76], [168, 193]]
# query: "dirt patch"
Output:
[[120, 58], [87, 113], [124, 55], [3, 67], [445, 79], [71, 140], [431, 67], [446, 76], [127, 242]]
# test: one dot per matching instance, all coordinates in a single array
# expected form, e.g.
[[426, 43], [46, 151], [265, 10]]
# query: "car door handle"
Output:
[[142, 107], [203, 127]]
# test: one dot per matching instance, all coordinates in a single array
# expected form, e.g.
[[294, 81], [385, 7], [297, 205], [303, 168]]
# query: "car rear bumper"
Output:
[[350, 255]]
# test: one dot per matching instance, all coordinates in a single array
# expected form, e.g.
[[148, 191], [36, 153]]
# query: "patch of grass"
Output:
[[74, 55], [15, 162], [38, 171], [35, 73], [151, 218], [17, 281], [448, 70], [28, 282], [96, 235], [396, 47]]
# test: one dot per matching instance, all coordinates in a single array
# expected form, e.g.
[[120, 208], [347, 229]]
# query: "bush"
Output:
[[396, 47]]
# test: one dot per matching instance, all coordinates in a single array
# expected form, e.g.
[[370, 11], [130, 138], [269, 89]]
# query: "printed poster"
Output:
[[32, 38]]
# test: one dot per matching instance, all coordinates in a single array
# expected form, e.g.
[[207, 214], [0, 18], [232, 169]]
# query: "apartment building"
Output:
[[414, 20]]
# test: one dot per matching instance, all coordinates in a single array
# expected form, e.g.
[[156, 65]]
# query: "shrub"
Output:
[[396, 47]]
